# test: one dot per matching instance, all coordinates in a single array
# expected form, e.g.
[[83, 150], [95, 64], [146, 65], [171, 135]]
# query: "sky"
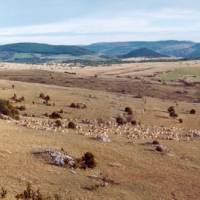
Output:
[[91, 21]]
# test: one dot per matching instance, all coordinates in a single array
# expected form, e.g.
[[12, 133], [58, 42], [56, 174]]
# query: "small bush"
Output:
[[71, 125], [128, 110], [47, 98], [134, 122], [180, 121], [193, 112], [171, 109], [42, 96], [58, 123], [6, 108], [55, 115], [120, 120], [172, 112], [155, 142], [87, 161], [160, 148]]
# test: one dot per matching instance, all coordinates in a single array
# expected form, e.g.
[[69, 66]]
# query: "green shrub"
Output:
[[6, 108]]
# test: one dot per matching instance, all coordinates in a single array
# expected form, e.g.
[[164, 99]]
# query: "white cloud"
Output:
[[134, 26]]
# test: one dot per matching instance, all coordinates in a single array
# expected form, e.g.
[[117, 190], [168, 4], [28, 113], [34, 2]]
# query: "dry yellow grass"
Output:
[[141, 172]]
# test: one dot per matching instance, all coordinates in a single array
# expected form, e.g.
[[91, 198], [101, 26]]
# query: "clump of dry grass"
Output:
[[129, 118], [30, 194], [21, 108], [46, 98], [17, 100], [78, 105], [94, 187], [3, 193], [103, 181], [61, 111], [6, 108], [14, 97]]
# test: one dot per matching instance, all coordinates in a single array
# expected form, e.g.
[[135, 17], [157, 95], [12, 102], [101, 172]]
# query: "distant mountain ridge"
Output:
[[45, 49], [169, 47], [40, 53], [143, 52]]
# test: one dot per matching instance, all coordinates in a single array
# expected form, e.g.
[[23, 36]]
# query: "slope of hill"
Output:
[[169, 47], [195, 52], [45, 49], [40, 53], [95, 53], [143, 52]]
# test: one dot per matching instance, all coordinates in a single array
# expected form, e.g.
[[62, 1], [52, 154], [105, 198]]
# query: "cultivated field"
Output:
[[140, 121]]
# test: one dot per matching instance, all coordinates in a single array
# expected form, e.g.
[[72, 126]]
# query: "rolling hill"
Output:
[[195, 52], [45, 49], [40, 53], [98, 52], [169, 47], [143, 52]]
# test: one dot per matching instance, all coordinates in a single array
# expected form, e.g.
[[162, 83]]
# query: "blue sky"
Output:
[[89, 21]]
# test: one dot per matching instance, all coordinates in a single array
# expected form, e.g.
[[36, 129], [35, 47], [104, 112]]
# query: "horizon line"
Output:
[[101, 42]]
